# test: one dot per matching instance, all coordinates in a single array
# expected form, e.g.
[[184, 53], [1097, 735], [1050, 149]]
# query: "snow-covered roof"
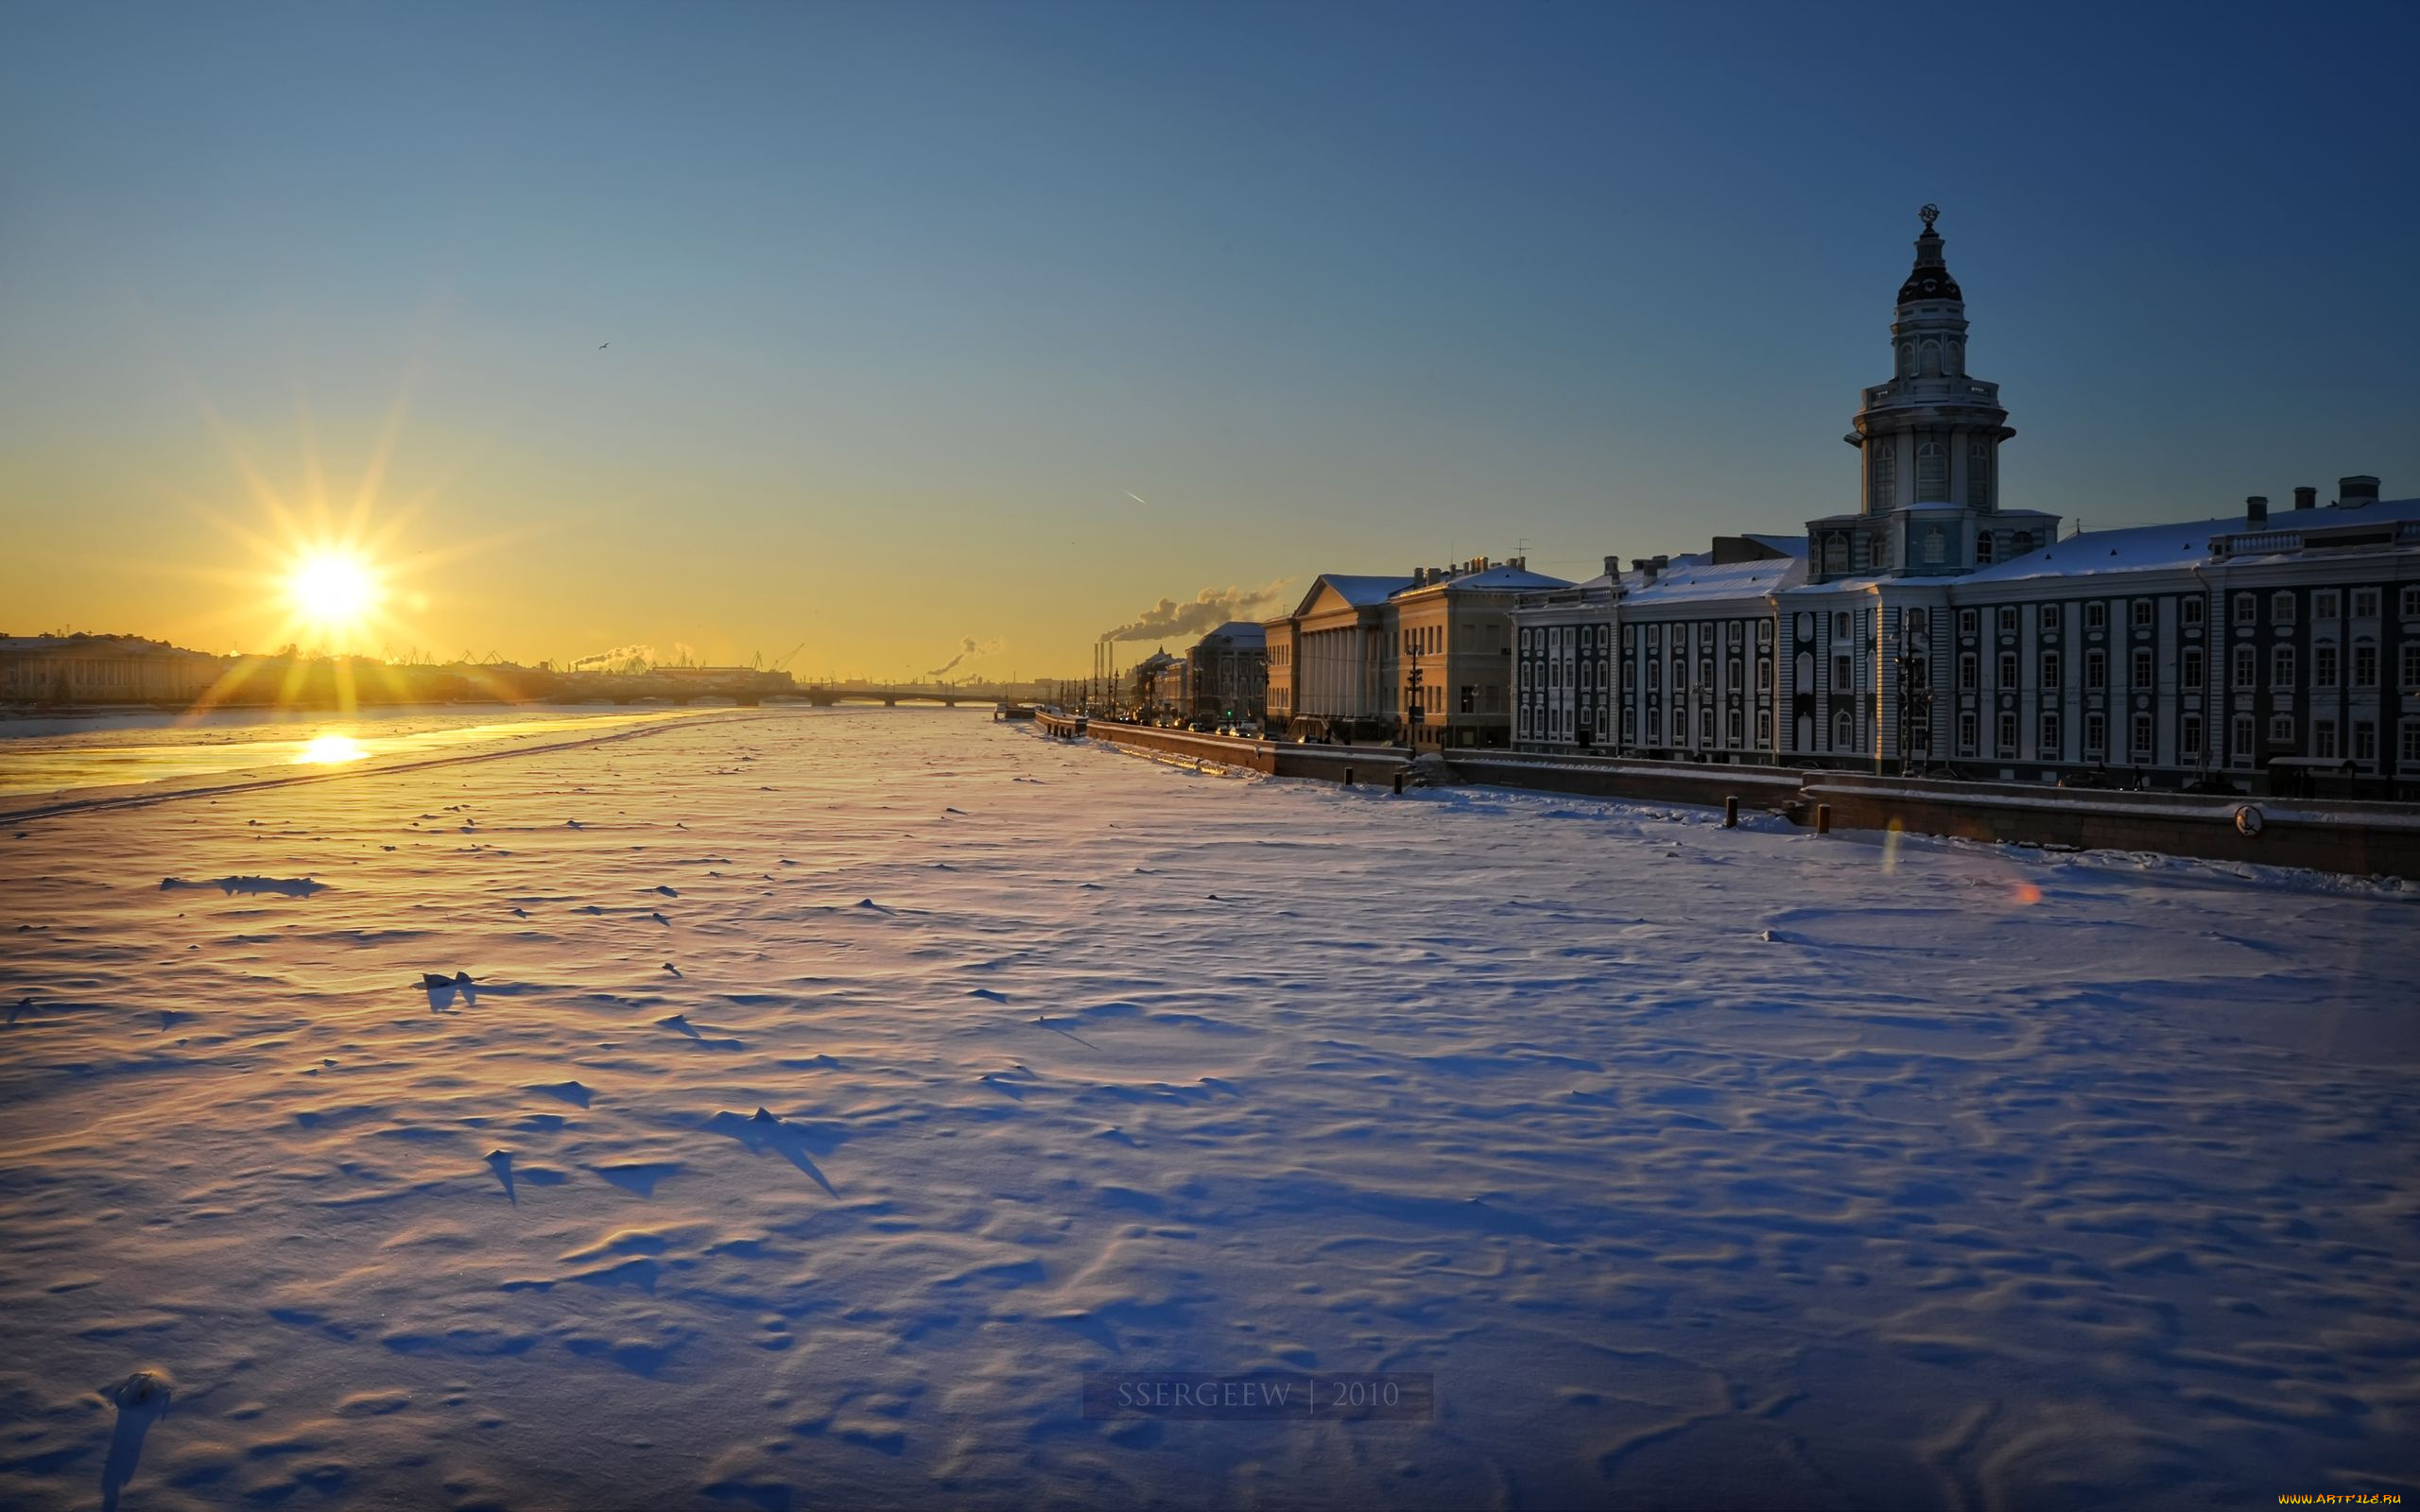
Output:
[[1244, 634], [2149, 548], [1787, 545], [1361, 591], [1696, 577], [1498, 577]]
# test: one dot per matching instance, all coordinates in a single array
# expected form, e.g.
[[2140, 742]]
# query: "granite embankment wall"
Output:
[[1329, 764], [2326, 836], [2366, 839]]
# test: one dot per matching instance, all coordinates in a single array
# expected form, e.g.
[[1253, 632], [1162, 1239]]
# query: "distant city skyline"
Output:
[[963, 335]]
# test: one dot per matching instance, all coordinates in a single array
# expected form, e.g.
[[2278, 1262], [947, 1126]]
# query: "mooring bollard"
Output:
[[1399, 784], [1731, 812], [1822, 818], [1348, 777]]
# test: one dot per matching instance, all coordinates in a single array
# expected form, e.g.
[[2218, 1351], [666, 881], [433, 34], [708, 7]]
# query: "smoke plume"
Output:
[[620, 658], [1206, 611], [969, 646]]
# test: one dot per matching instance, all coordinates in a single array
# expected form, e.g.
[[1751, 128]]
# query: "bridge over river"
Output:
[[748, 687]]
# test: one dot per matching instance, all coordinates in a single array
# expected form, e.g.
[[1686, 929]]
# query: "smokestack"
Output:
[[2256, 509], [2306, 498], [2356, 490]]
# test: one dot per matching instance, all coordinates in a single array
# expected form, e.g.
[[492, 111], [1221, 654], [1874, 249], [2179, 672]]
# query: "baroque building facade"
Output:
[[1936, 627]]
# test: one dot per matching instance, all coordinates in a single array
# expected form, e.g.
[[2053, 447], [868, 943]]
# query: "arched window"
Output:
[[1806, 671], [1885, 469], [1843, 731], [1932, 472], [1931, 365], [1979, 474]]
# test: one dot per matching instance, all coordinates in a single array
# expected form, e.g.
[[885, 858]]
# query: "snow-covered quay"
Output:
[[1701, 1168]]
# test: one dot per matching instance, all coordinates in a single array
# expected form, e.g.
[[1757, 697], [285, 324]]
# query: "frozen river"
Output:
[[1699, 1167], [51, 754]]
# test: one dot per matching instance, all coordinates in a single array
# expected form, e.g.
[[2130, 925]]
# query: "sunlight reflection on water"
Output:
[[330, 750]]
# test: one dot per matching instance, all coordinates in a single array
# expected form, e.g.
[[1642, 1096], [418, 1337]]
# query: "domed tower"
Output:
[[1931, 435]]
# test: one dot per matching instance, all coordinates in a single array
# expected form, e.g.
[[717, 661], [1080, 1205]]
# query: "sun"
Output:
[[332, 591]]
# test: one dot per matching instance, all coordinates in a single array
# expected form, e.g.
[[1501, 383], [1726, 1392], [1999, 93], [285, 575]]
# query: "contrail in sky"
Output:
[[1138, 498]]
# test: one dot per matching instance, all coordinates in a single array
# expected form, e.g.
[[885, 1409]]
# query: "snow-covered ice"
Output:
[[830, 1091]]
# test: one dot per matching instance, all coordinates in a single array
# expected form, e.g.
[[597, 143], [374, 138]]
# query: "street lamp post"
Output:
[[1915, 713], [1414, 715]]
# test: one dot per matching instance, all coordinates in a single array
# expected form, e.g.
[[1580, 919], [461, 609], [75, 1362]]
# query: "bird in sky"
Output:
[[602, 345]]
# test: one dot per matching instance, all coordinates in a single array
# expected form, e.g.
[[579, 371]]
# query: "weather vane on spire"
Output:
[[1930, 214]]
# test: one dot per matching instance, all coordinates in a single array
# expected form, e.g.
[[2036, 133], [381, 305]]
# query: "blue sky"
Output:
[[904, 301]]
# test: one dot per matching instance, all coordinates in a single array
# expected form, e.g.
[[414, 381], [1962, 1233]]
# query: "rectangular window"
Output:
[[2142, 613], [2142, 675], [2323, 739], [1705, 728], [2096, 733], [2051, 736], [2095, 616], [2240, 741], [1732, 726], [2190, 669], [2007, 622], [2324, 604], [2142, 737], [2365, 664], [2281, 607], [2008, 736], [2095, 670], [2188, 737], [2366, 741], [1966, 734], [2409, 740], [2411, 603], [1765, 728], [1841, 677], [2246, 609], [2281, 667], [2323, 665], [2412, 663], [2365, 603], [2191, 611], [1967, 675], [2049, 619], [2247, 666], [2281, 729], [2008, 669], [1965, 621], [2050, 671]]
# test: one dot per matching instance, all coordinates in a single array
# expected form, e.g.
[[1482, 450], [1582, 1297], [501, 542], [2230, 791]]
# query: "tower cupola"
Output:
[[1930, 435]]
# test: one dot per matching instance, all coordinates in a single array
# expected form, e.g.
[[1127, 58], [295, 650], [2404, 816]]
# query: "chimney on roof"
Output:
[[2306, 498], [1648, 567], [2353, 492], [2256, 509], [1613, 566]]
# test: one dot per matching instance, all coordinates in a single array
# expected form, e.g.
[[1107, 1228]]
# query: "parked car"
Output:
[[2097, 782]]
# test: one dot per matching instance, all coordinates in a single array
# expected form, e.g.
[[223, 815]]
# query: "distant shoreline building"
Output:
[[92, 669], [1426, 659], [1935, 626]]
